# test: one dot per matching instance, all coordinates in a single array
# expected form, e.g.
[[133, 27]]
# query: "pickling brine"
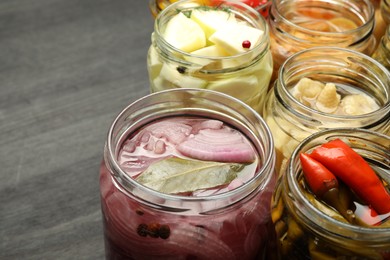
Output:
[[296, 25], [189, 157], [227, 50], [333, 200], [185, 176]]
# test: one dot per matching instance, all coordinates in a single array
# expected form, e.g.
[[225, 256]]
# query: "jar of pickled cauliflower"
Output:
[[382, 53], [187, 174], [335, 207], [296, 25], [223, 48], [322, 88]]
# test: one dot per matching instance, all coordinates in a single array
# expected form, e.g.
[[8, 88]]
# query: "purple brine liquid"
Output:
[[190, 160]]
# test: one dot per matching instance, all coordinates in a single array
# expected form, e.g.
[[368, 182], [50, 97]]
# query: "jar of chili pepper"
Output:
[[322, 88], [187, 174], [296, 25], [227, 50], [382, 53], [320, 206]]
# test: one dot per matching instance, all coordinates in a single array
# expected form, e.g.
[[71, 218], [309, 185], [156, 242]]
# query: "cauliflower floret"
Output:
[[306, 90], [358, 104]]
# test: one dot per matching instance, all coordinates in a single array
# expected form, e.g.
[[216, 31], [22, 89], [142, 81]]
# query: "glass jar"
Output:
[[262, 6], [307, 228], [385, 11], [292, 119], [382, 53], [156, 6], [245, 76], [296, 25], [234, 224], [380, 23]]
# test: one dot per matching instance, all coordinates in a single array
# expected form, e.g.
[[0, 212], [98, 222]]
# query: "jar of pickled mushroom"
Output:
[[322, 88], [223, 48], [333, 201], [262, 6], [296, 25], [382, 53], [187, 174]]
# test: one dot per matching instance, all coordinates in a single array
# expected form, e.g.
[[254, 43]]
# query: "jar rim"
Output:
[[260, 46], [318, 220], [367, 25], [381, 114], [262, 175]]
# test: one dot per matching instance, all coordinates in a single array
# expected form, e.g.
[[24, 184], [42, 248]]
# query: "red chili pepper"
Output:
[[317, 176], [354, 171], [324, 184]]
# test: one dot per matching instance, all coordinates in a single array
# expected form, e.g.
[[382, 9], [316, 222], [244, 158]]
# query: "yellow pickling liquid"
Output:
[[319, 20]]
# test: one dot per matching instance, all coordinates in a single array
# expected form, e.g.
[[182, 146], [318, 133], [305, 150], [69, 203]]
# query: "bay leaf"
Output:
[[177, 175]]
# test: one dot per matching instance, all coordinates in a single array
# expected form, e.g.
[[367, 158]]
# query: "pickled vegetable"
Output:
[[189, 156], [339, 182], [332, 99], [212, 47]]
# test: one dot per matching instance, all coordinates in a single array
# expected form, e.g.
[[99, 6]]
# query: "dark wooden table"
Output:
[[67, 68]]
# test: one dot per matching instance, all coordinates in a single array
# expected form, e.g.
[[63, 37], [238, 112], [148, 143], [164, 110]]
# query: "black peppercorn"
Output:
[[139, 212], [142, 230], [181, 69], [164, 231]]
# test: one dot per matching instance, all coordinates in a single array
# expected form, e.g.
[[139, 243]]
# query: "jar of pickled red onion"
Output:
[[228, 50], [296, 25], [187, 174], [334, 223], [323, 88]]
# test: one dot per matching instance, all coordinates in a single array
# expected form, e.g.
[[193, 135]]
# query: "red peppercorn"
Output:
[[153, 230], [246, 44]]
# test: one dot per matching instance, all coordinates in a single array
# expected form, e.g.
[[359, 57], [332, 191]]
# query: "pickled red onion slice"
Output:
[[223, 145], [174, 132], [199, 241], [208, 124]]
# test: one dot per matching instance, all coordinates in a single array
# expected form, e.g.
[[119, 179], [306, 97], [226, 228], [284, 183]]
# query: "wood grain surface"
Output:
[[67, 68]]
